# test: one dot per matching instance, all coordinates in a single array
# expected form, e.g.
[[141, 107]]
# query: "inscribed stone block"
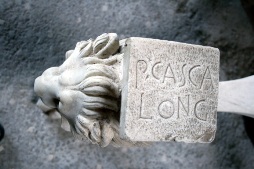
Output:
[[170, 91]]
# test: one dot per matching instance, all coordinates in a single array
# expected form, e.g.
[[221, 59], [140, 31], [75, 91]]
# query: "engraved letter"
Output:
[[169, 74], [143, 68], [201, 109], [154, 66], [191, 69], [166, 109], [186, 108], [184, 81], [141, 105], [207, 76]]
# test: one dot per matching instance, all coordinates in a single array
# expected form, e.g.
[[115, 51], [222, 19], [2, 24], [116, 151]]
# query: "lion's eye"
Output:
[[56, 102]]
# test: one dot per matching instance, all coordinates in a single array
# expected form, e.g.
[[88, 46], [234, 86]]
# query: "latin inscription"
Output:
[[172, 91], [167, 108], [168, 74]]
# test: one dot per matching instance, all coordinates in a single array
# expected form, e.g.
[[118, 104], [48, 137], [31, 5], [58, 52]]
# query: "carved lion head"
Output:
[[85, 89]]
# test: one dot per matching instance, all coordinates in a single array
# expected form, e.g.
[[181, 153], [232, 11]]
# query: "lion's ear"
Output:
[[105, 45], [68, 54], [100, 42]]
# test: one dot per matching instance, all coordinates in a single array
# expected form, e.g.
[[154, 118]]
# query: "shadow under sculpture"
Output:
[[86, 90]]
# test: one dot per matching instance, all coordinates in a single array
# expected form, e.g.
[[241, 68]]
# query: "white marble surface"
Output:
[[170, 91], [35, 36]]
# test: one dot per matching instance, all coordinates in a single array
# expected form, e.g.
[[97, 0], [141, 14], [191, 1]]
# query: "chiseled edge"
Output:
[[124, 94], [217, 51]]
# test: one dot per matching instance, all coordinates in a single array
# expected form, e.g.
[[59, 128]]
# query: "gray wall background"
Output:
[[34, 35]]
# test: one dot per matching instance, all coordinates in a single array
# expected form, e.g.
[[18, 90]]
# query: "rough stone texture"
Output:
[[35, 35], [170, 91]]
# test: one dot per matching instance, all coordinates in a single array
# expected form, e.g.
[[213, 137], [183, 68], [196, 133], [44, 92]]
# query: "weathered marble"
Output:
[[170, 91], [85, 90], [162, 90]]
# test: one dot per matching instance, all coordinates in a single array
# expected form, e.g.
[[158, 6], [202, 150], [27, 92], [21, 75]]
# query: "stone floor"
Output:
[[35, 35]]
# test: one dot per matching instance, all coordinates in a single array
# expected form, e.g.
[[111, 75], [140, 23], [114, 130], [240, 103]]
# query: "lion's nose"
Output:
[[47, 91]]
